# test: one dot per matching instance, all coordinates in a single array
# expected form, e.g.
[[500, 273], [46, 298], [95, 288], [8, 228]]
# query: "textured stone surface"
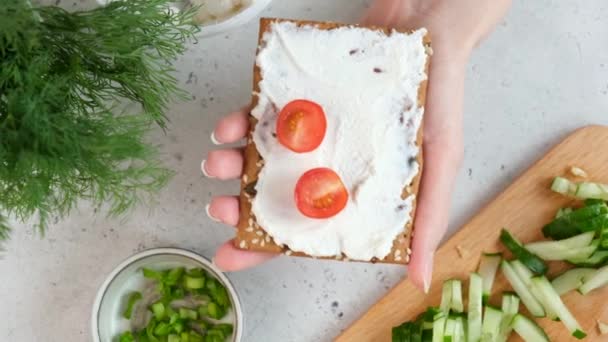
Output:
[[543, 73]]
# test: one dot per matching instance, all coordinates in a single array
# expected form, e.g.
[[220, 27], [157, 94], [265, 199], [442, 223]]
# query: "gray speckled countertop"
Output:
[[543, 73]]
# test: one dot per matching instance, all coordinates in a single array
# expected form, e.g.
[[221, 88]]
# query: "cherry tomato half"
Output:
[[320, 193], [301, 126]]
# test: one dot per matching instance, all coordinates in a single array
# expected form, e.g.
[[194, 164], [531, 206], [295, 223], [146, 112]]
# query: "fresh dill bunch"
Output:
[[63, 78]]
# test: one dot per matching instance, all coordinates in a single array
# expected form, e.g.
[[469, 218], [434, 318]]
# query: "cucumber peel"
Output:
[[533, 262]]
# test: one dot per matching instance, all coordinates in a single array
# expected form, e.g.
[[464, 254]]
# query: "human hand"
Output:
[[228, 164], [455, 27]]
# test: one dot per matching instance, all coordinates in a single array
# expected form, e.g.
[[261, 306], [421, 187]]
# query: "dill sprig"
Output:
[[64, 78]]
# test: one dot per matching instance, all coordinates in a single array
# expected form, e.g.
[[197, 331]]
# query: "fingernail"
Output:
[[205, 170], [214, 139], [209, 213], [428, 273], [213, 263]]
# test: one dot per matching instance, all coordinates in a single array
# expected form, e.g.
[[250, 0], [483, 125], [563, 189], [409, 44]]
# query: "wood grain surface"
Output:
[[524, 207]]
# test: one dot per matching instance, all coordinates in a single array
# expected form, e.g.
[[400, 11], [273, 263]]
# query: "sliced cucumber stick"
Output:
[[439, 327], [446, 296], [526, 276], [595, 281], [510, 308], [571, 280], [528, 329], [580, 246], [550, 298], [531, 303], [490, 329], [487, 270], [456, 303], [475, 308], [599, 258]]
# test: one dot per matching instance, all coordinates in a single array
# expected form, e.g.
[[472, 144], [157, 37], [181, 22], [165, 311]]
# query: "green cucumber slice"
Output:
[[589, 218], [550, 298], [523, 291], [416, 335], [446, 296], [439, 327], [510, 308], [456, 303], [402, 333], [597, 259], [487, 270], [526, 276], [595, 281], [533, 262], [576, 247], [528, 329], [577, 241], [563, 186], [490, 329], [475, 308], [459, 335], [450, 330], [571, 280], [592, 190]]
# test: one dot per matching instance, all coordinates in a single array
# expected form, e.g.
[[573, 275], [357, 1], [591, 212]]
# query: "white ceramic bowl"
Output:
[[212, 28], [240, 18], [106, 319]]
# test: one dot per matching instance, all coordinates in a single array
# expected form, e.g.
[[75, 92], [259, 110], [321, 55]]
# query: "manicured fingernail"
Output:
[[428, 273], [216, 265], [214, 139], [205, 170], [209, 213]]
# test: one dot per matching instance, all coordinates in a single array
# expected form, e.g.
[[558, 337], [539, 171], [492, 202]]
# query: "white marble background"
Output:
[[542, 74]]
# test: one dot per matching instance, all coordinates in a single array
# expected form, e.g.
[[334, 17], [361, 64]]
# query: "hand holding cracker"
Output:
[[455, 29]]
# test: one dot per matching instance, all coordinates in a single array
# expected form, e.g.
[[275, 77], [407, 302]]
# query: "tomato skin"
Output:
[[320, 193], [301, 126]]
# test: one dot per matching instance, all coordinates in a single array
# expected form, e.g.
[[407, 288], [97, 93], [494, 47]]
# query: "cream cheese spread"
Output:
[[367, 83]]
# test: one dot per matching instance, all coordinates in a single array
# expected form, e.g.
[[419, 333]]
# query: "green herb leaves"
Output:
[[63, 79]]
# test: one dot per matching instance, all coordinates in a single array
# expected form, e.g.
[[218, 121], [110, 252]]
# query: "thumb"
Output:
[[442, 151]]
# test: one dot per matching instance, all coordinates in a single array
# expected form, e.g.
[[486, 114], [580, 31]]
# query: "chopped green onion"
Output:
[[127, 336], [187, 314], [152, 274], [174, 275], [158, 309], [162, 329], [215, 311], [133, 298], [193, 283], [173, 338]]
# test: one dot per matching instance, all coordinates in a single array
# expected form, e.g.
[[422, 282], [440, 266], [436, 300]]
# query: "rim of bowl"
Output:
[[214, 28], [101, 292], [240, 18]]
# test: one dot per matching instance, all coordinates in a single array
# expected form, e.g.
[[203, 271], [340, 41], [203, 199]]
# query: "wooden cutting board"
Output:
[[524, 207]]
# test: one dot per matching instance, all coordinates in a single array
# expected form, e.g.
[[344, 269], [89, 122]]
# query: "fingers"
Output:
[[442, 158], [224, 209], [231, 128], [229, 258], [441, 168], [223, 164]]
